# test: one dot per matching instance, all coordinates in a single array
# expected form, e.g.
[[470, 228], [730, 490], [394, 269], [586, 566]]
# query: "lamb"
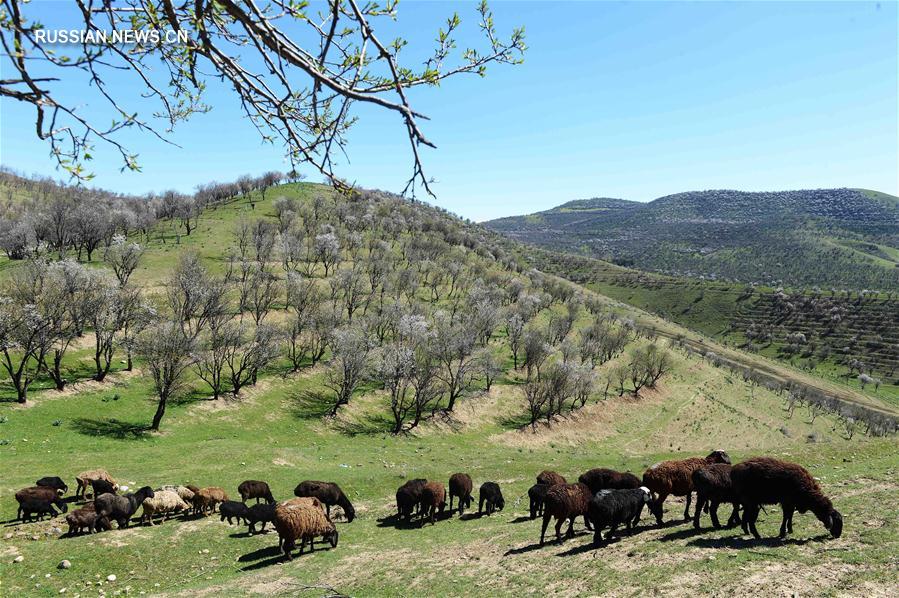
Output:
[[609, 479], [163, 502], [329, 494], [550, 478], [260, 513], [713, 487], [255, 489], [675, 477], [460, 485], [565, 501], [492, 496], [84, 478], [53, 482], [765, 481], [408, 497], [83, 519], [298, 519], [537, 495], [611, 508], [38, 500], [206, 499], [120, 508], [100, 486], [433, 499], [234, 509]]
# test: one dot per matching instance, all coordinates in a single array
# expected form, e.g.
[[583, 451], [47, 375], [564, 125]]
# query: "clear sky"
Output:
[[631, 100]]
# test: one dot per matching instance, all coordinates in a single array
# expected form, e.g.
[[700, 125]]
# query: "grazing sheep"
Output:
[[163, 502], [491, 496], [84, 478], [537, 495], [408, 497], [611, 508], [329, 494], [120, 508], [235, 509], [565, 501], [40, 507], [608, 479], [83, 519], [184, 493], [35, 498], [255, 489], [460, 485], [767, 481], [298, 519], [206, 499], [433, 499], [260, 513], [550, 478], [675, 477], [53, 482], [713, 486], [99, 487]]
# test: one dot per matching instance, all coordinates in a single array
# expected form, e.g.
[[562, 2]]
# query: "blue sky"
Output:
[[630, 100]]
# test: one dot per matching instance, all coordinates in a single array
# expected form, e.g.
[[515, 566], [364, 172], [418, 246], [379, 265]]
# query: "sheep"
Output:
[[260, 513], [83, 519], [329, 494], [36, 498], [765, 481], [100, 486], [120, 508], [53, 482], [183, 492], [298, 519], [537, 495], [433, 499], [407, 498], [84, 478], [40, 507], [550, 478], [460, 485], [234, 509], [255, 489], [612, 507], [713, 486], [163, 502], [609, 479], [492, 496], [565, 501], [206, 499], [675, 477]]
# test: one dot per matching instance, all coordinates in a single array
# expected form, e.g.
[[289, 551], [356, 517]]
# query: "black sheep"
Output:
[[713, 486], [611, 508], [460, 486], [255, 489], [492, 496], [537, 496], [408, 497], [768, 481], [260, 513], [234, 509], [34, 495], [99, 487], [40, 507], [53, 482], [609, 479], [120, 508], [329, 494]]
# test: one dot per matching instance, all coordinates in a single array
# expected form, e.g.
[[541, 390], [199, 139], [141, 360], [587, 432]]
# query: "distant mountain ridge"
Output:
[[814, 237]]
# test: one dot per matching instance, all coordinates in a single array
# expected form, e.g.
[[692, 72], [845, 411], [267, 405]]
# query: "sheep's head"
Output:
[[500, 502], [834, 523], [718, 456], [647, 495], [349, 512], [332, 538], [655, 507], [61, 504]]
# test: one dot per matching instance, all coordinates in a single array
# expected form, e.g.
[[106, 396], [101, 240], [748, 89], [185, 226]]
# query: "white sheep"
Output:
[[186, 494], [163, 502]]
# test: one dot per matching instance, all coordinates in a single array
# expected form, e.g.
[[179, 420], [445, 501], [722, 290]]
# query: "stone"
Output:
[[66, 564], [110, 578]]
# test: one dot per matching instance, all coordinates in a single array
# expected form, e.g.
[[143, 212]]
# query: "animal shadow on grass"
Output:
[[264, 557], [522, 519], [550, 542], [682, 534], [748, 542], [110, 428]]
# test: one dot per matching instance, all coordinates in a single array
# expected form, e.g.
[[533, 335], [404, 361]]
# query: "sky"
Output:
[[632, 100]]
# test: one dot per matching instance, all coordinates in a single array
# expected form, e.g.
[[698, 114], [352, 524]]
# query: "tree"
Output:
[[536, 350], [25, 337], [453, 347], [123, 257], [351, 349], [514, 332], [310, 72], [194, 296], [168, 353], [327, 250], [90, 225]]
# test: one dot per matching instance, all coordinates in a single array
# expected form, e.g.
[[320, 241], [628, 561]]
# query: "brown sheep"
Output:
[[460, 485], [550, 478], [83, 519], [609, 479], [29, 498], [766, 481], [303, 519], [206, 499], [329, 493], [565, 501], [713, 486], [84, 478], [433, 499], [408, 498], [255, 489], [675, 478]]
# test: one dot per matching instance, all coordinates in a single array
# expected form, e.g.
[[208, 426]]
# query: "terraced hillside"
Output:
[[843, 238]]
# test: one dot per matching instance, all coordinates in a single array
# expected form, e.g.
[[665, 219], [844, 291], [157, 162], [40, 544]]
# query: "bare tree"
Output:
[[194, 296], [123, 257], [515, 334], [168, 353], [351, 349]]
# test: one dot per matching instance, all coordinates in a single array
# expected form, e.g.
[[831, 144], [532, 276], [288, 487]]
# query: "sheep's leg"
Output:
[[545, 524], [451, 503], [790, 524], [559, 523], [480, 504], [700, 502], [597, 537], [713, 513], [787, 515], [749, 519], [687, 507], [734, 516]]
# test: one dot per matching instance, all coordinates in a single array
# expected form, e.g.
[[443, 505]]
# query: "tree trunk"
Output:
[[160, 411]]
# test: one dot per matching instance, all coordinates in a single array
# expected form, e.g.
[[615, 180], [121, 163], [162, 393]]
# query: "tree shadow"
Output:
[[744, 542], [516, 421], [364, 425], [195, 396], [110, 428], [310, 404]]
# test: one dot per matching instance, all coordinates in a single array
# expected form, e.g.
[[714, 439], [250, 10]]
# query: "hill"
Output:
[[415, 269], [843, 238]]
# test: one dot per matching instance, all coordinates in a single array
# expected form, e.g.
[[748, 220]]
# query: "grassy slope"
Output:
[[275, 432]]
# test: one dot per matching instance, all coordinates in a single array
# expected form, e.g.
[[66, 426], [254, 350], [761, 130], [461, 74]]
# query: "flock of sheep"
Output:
[[606, 499]]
